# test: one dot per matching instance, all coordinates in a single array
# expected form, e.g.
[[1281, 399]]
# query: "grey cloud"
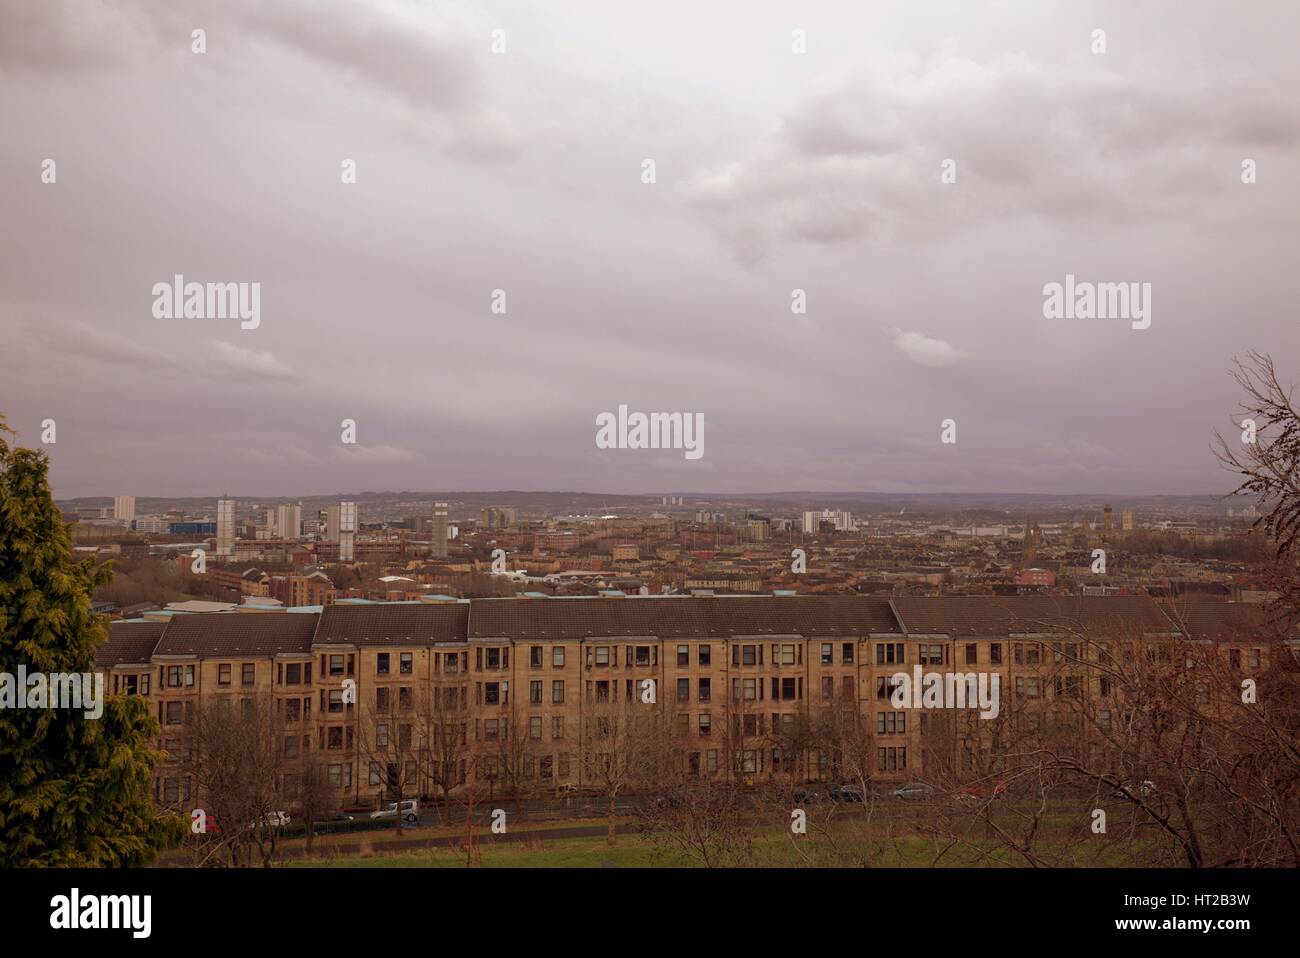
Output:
[[1068, 143], [54, 37], [409, 50], [815, 174]]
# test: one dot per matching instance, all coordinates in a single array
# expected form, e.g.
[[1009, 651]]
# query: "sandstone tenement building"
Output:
[[446, 692]]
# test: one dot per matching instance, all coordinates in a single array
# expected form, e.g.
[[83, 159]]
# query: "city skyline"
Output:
[[516, 163], [779, 498]]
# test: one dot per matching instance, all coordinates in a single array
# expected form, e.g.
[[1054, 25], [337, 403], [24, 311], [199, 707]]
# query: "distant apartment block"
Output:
[[288, 521], [839, 520], [556, 541], [341, 526], [438, 531], [493, 518], [225, 527], [314, 588]]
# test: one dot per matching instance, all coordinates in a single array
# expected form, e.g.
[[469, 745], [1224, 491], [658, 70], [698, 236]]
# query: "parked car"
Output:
[[212, 826], [805, 793], [338, 817], [1144, 789], [670, 799], [271, 820], [912, 791], [848, 792], [410, 811]]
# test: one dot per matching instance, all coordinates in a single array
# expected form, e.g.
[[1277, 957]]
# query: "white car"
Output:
[[1144, 789], [272, 820], [410, 811]]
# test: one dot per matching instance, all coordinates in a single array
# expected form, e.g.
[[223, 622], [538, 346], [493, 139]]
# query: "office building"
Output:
[[152, 525]]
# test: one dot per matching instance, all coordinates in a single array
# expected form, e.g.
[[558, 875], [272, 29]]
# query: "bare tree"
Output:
[[707, 820], [317, 796], [623, 748], [1142, 750], [387, 743], [442, 738], [234, 756], [516, 754], [1267, 460]]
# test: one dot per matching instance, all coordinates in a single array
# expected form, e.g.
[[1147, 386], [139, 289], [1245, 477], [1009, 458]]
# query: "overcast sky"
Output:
[[522, 171]]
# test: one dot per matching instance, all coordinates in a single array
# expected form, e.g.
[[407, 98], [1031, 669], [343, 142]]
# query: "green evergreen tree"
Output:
[[74, 791]]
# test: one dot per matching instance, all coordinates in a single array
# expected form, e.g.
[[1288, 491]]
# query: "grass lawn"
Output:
[[637, 852], [630, 852]]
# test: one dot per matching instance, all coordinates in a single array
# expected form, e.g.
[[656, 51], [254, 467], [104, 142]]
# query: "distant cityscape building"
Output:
[[154, 525], [124, 507], [288, 521], [225, 528], [841, 521], [193, 528], [438, 534], [984, 532], [493, 518], [1036, 576], [1127, 520], [314, 588], [342, 528], [1029, 546]]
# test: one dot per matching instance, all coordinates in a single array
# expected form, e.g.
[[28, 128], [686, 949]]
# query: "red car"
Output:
[[975, 791]]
